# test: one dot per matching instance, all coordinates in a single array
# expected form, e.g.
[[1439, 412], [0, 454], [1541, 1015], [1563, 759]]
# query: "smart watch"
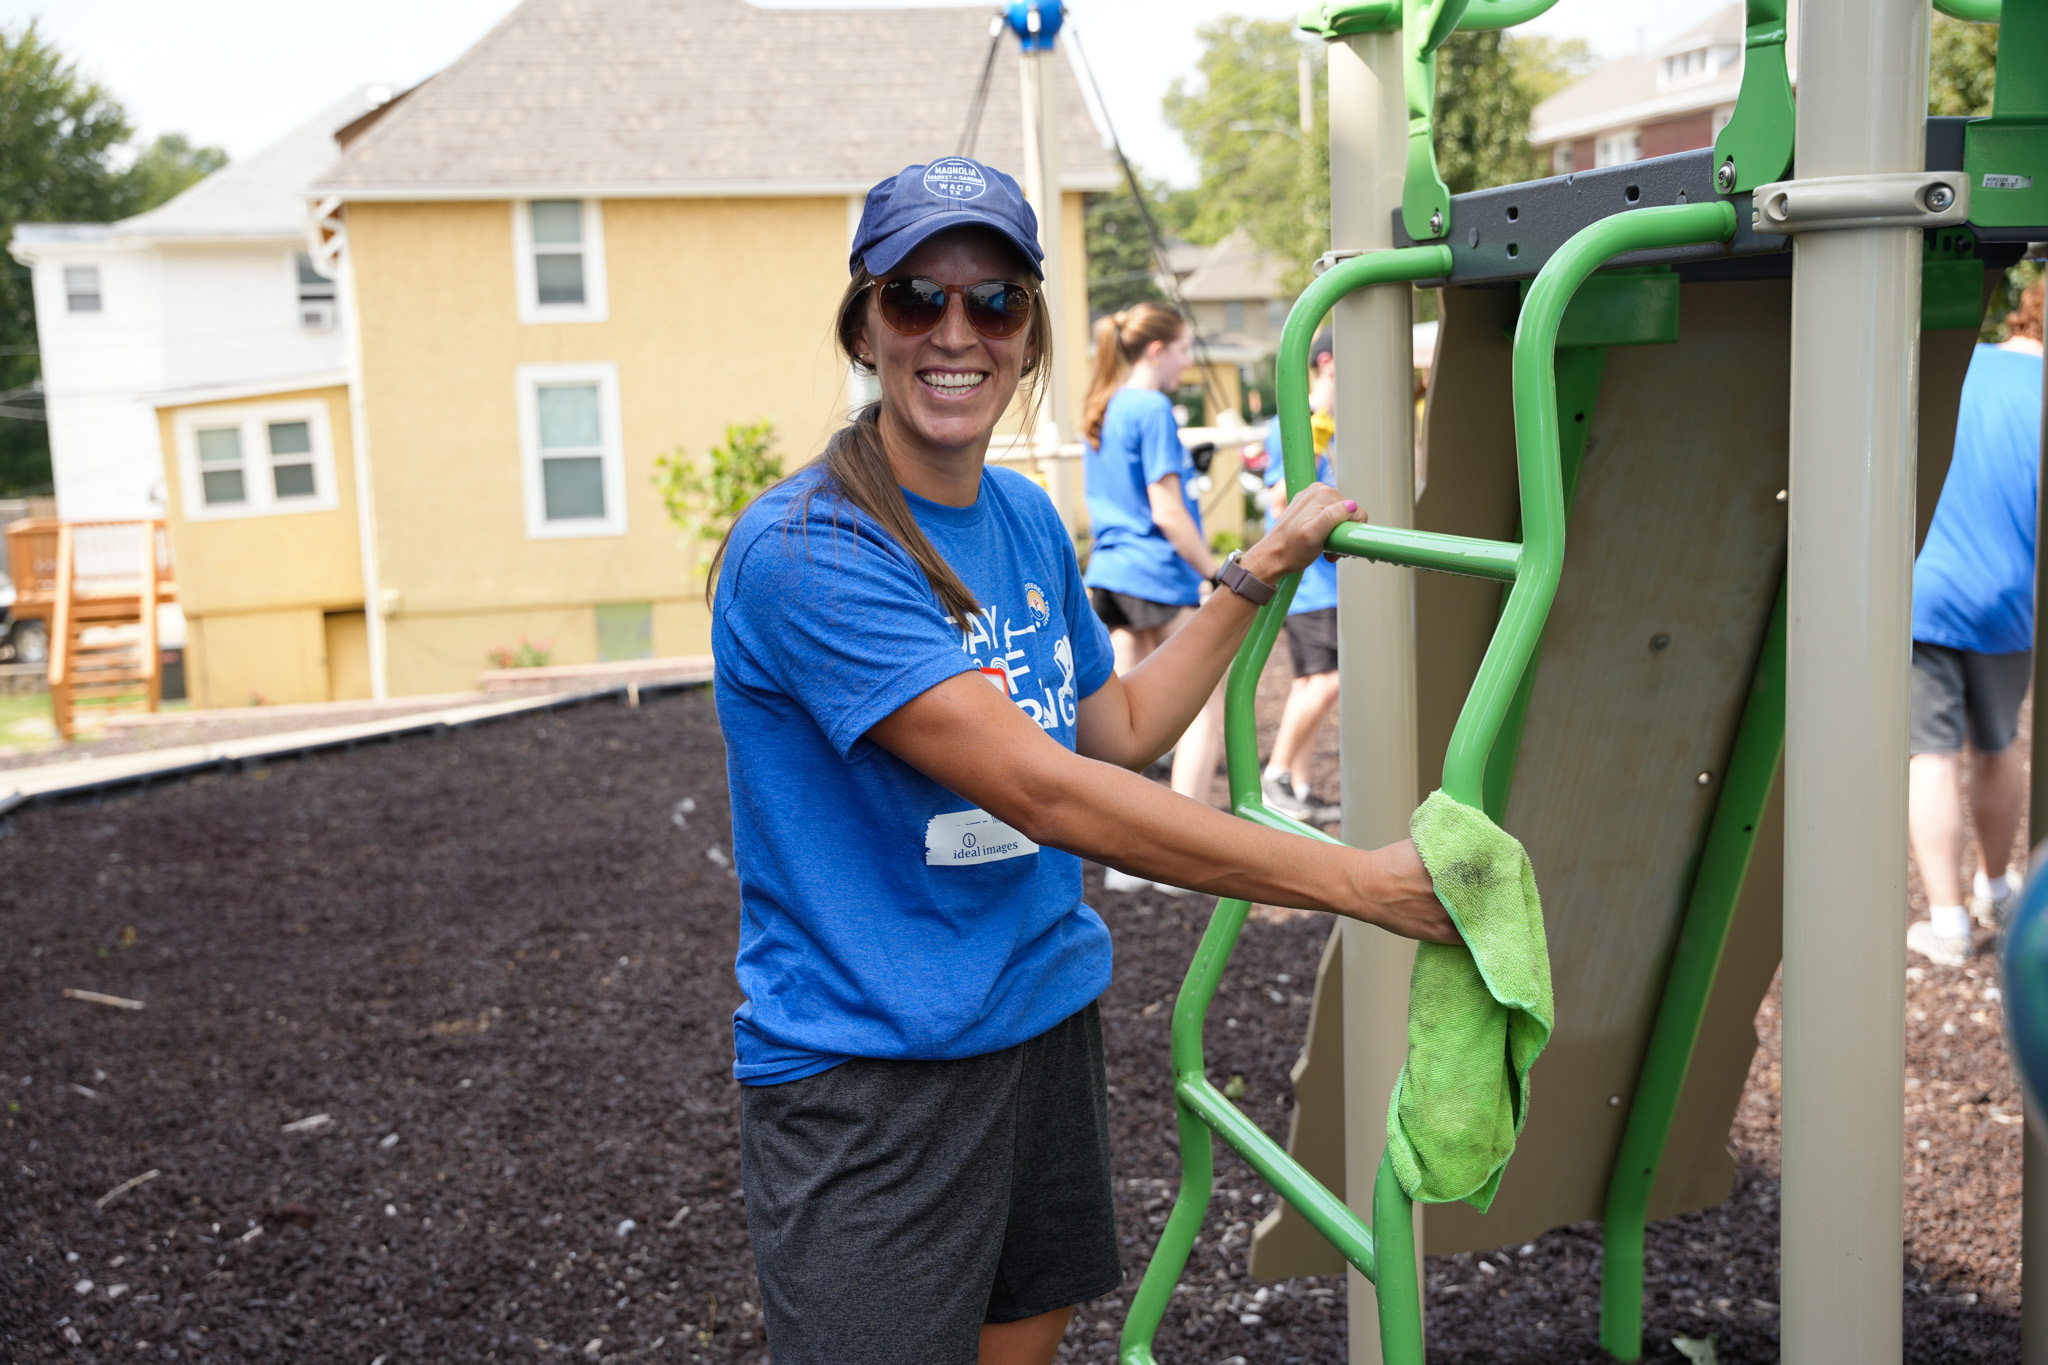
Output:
[[1242, 581]]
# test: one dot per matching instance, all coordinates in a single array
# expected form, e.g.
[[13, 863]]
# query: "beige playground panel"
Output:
[[1676, 531]]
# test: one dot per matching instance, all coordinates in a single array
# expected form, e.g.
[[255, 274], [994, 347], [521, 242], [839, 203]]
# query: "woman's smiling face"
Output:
[[946, 389]]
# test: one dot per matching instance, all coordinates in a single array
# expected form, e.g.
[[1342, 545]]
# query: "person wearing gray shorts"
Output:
[[1973, 637], [925, 735]]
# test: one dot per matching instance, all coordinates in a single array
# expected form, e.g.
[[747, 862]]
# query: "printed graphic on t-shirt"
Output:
[[1014, 658], [964, 837]]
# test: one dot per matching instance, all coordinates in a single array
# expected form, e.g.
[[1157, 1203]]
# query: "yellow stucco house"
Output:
[[608, 231]]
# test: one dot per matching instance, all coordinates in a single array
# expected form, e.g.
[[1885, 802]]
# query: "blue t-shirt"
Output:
[[1318, 590], [1973, 585], [1140, 446], [880, 914]]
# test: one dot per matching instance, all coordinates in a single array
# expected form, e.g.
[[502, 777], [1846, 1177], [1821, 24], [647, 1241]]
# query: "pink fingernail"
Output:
[[1350, 506]]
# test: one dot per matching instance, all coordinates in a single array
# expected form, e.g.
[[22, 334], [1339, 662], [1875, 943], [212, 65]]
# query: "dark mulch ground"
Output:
[[500, 963]]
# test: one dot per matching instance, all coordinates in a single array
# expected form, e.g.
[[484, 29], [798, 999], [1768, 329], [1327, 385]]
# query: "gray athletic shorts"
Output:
[[1120, 610], [1956, 692], [1312, 641], [895, 1207]]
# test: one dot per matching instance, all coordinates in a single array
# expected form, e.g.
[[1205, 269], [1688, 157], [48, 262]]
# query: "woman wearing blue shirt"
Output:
[[925, 736], [1147, 561]]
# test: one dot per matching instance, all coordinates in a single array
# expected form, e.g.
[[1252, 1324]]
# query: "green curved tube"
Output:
[[1976, 11], [1482, 14], [1536, 465], [1384, 1252]]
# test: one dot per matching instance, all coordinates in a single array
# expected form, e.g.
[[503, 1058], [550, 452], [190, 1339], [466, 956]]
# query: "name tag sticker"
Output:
[[965, 837]]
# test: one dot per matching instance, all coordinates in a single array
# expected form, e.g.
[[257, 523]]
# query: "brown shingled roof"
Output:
[[706, 97]]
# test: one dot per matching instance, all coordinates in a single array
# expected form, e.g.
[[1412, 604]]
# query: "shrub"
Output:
[[525, 654], [705, 500]]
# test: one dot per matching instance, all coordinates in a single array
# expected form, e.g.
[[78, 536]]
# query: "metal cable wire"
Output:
[[972, 132], [1167, 279]]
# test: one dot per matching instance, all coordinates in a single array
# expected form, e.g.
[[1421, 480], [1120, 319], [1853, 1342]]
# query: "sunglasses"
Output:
[[996, 309]]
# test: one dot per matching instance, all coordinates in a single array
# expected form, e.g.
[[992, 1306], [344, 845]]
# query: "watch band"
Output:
[[1240, 580]]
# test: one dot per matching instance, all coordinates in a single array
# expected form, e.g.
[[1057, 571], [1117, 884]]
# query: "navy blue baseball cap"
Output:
[[918, 201]]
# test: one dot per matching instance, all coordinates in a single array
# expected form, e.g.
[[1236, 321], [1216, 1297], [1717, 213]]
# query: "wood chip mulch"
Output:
[[434, 1066]]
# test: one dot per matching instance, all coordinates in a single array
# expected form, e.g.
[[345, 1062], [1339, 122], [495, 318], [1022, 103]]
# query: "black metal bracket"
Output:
[[1508, 234]]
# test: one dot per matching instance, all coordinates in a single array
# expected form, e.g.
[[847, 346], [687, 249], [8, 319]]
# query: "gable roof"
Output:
[[1234, 268], [1625, 91], [262, 195], [706, 98]]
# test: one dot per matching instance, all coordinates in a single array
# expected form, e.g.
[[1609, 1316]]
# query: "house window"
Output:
[[1619, 148], [82, 288], [572, 459], [1276, 314], [316, 297], [559, 248], [1233, 315], [258, 460], [220, 467], [1561, 159]]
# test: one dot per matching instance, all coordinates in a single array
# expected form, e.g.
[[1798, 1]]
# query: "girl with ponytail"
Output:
[[1149, 563], [925, 735]]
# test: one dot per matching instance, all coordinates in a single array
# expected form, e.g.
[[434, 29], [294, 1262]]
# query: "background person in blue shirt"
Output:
[[1311, 617], [925, 735], [1973, 637], [1148, 561]]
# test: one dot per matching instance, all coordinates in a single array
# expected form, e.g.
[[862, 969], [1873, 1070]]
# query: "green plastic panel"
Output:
[[1622, 308]]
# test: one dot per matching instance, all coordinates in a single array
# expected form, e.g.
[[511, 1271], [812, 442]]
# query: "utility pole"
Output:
[[1037, 24]]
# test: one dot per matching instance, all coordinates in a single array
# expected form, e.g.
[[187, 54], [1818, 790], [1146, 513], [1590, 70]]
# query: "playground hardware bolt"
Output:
[[1724, 178], [1938, 197], [1659, 643], [1705, 778], [1436, 223]]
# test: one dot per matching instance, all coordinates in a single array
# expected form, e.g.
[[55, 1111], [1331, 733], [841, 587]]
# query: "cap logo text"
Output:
[[955, 178]]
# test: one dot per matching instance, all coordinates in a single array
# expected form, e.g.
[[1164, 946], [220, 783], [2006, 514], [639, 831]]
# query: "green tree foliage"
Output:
[[168, 167], [1240, 116], [1242, 119], [1121, 270], [63, 142], [1962, 66], [705, 500]]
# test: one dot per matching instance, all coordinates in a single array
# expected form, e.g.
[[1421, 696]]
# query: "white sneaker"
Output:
[[1281, 796], [1948, 951], [1992, 913], [1113, 880]]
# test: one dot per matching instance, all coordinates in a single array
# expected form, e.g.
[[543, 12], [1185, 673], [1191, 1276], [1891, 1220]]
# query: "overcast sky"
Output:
[[237, 73]]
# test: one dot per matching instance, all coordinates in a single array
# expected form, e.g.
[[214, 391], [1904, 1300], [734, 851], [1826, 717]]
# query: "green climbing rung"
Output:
[[1532, 568]]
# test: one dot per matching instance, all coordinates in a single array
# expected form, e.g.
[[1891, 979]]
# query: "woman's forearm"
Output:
[[1124, 821], [970, 740]]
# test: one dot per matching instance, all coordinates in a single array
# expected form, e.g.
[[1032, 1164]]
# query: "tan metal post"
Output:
[[1855, 387], [1375, 464], [1042, 188]]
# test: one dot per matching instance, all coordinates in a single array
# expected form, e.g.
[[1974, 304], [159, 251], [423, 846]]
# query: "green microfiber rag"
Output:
[[1478, 1012]]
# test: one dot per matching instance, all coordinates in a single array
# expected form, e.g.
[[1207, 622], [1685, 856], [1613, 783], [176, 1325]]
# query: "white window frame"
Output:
[[99, 289], [1606, 146], [311, 317], [596, 306], [259, 485], [529, 381]]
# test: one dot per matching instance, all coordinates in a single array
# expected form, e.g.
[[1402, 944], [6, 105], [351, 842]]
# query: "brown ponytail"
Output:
[[857, 467], [1120, 339]]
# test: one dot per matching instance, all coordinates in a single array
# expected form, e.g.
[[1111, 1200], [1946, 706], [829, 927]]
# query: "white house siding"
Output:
[[96, 366], [231, 316]]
